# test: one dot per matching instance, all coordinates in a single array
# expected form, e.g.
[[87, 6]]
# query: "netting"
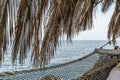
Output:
[[89, 64], [67, 71]]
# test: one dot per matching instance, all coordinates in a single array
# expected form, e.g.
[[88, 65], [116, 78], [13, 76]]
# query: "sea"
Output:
[[66, 52]]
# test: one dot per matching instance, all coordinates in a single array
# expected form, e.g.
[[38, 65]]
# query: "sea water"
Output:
[[65, 52]]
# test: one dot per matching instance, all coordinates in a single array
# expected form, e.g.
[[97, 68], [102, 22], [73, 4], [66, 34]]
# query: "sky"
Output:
[[99, 31]]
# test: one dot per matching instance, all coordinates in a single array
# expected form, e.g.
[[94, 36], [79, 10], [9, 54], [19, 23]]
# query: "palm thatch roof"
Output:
[[38, 25]]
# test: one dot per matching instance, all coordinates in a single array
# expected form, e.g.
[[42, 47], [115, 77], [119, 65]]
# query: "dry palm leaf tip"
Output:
[[38, 25]]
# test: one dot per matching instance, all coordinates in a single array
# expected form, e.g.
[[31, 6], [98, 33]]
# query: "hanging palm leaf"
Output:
[[38, 25]]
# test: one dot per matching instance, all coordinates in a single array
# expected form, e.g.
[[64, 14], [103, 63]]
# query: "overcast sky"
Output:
[[99, 32]]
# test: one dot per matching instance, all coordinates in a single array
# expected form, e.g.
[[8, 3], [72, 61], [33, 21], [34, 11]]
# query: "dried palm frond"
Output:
[[65, 17], [106, 4], [114, 25], [19, 29], [37, 25], [28, 29], [3, 21]]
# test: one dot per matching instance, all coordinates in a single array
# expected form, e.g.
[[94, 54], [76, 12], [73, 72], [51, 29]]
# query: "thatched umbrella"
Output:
[[38, 25]]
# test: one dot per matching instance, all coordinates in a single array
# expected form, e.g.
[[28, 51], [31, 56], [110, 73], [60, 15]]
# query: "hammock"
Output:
[[68, 71]]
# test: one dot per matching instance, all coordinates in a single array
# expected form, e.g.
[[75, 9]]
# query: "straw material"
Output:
[[102, 67], [38, 25], [118, 66]]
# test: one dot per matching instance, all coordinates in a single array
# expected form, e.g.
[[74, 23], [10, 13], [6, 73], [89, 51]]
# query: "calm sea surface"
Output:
[[65, 52]]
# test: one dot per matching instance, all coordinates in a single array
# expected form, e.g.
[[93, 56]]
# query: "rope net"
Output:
[[67, 71]]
